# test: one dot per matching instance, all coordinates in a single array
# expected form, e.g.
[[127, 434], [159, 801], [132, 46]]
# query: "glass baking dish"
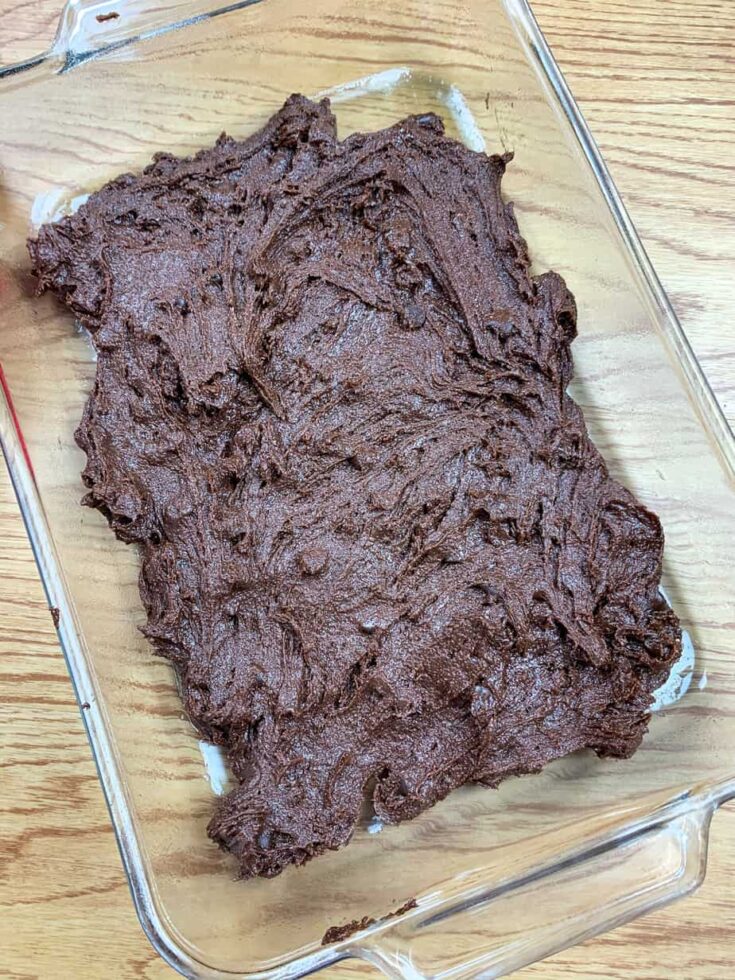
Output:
[[499, 878]]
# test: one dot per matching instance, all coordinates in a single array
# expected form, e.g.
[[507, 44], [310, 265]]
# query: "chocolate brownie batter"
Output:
[[377, 542]]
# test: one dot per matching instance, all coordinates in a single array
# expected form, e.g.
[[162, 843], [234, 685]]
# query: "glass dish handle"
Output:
[[88, 28], [544, 911]]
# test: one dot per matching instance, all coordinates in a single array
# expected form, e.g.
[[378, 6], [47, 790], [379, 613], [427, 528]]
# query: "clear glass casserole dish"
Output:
[[499, 878]]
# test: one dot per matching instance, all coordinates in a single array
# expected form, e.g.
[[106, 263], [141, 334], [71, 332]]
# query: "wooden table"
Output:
[[657, 84]]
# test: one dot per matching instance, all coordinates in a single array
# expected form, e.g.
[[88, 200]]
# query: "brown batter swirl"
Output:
[[377, 542]]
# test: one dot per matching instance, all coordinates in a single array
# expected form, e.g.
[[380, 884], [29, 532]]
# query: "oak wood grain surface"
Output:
[[657, 85]]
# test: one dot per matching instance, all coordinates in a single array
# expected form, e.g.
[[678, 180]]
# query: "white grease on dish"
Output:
[[54, 204], [375, 825], [677, 683], [381, 82], [215, 766], [81, 329], [460, 112]]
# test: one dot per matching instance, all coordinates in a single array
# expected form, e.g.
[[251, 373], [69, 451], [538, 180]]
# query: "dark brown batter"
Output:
[[337, 934], [377, 542]]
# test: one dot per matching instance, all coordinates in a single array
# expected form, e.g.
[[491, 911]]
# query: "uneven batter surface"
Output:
[[377, 542]]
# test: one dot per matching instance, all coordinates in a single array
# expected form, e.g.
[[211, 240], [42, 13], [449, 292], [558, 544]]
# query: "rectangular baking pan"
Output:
[[500, 878]]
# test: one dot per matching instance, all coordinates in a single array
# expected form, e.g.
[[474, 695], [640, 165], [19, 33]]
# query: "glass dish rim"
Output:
[[154, 921]]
